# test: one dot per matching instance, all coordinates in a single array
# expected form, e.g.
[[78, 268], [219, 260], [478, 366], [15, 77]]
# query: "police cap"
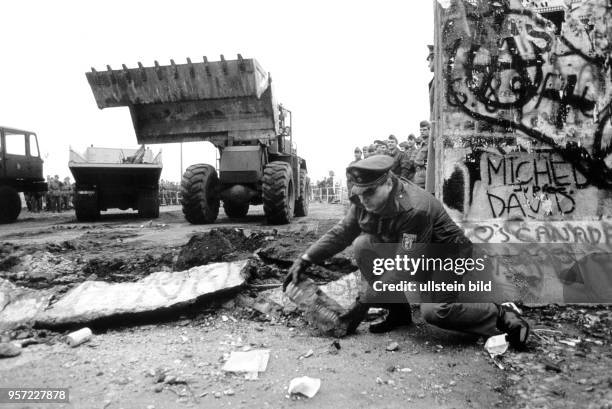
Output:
[[369, 173]]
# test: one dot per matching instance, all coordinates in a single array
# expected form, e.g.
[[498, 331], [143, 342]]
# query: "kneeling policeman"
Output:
[[385, 211]]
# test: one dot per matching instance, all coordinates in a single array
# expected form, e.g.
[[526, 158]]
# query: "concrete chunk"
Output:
[[94, 300], [20, 305]]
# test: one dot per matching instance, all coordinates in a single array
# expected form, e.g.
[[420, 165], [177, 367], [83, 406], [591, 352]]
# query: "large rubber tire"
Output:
[[278, 192], [86, 208], [148, 204], [10, 204], [233, 210], [303, 201], [200, 200]]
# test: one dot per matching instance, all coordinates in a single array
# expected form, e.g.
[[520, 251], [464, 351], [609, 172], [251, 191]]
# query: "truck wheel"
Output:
[[235, 210], [278, 192], [10, 204], [302, 202], [86, 207], [199, 194], [148, 204]]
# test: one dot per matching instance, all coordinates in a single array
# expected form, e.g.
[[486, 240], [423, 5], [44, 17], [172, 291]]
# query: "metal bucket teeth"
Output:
[[207, 100], [177, 82]]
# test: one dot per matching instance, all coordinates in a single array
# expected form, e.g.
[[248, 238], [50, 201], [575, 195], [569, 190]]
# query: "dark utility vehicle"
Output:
[[21, 170], [229, 103]]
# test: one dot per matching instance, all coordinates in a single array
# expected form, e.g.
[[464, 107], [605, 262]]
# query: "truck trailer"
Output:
[[107, 178]]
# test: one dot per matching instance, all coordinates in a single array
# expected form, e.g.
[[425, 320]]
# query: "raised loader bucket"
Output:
[[193, 101]]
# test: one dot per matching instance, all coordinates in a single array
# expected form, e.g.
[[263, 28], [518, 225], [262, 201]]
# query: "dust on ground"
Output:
[[567, 363]]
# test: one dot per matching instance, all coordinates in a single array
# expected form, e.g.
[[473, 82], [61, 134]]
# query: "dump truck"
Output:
[[21, 170], [107, 178], [229, 103]]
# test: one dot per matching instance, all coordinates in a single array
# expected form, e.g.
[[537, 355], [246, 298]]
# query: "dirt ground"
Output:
[[566, 365]]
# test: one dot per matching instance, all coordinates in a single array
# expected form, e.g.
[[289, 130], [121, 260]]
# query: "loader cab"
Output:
[[284, 138], [19, 156]]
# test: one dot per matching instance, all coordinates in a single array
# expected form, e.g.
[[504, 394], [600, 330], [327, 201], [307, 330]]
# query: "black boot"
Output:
[[355, 314], [399, 314], [510, 321]]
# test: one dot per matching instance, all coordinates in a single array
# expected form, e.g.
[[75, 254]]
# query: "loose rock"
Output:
[[8, 350], [394, 346]]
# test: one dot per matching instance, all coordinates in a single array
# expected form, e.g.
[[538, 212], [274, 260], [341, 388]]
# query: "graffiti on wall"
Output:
[[598, 233], [528, 105], [539, 261]]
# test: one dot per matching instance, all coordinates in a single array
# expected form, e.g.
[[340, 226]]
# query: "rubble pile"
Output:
[[40, 270], [127, 269], [218, 245], [568, 359]]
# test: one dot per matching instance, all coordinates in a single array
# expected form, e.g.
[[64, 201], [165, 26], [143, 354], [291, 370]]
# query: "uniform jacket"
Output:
[[409, 210], [420, 162], [402, 167]]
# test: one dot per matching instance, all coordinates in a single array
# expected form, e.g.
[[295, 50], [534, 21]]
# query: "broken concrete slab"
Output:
[[343, 291], [319, 309], [339, 295], [95, 300], [19, 305]]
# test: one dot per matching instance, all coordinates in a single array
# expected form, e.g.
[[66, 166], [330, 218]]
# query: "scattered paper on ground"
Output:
[[251, 362], [305, 385]]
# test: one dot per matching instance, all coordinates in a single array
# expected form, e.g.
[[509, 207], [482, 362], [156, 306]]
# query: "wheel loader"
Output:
[[229, 103]]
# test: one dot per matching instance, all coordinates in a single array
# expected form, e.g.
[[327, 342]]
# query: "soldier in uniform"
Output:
[[357, 153], [372, 150], [29, 199], [381, 147], [366, 151], [162, 193], [410, 147], [401, 165], [385, 209], [47, 194], [420, 159], [55, 193], [410, 150], [66, 194]]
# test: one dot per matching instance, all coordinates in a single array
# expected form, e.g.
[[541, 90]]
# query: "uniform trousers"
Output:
[[437, 308]]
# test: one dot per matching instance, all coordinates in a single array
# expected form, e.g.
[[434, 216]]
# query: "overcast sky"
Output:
[[350, 71]]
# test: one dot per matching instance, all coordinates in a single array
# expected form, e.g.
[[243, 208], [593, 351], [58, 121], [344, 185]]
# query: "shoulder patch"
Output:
[[407, 240]]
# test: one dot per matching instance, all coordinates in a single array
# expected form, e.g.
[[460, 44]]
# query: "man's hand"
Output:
[[299, 266]]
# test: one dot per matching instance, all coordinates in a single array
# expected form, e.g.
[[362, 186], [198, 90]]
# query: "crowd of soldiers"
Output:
[[169, 193], [409, 156], [57, 198]]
